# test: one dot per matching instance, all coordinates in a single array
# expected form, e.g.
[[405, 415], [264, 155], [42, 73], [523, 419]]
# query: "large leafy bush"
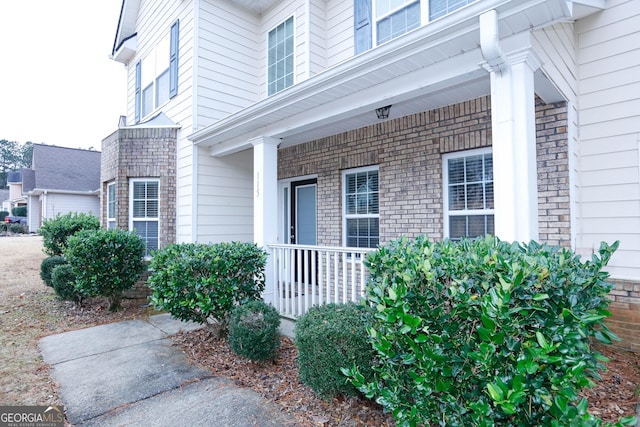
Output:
[[328, 338], [485, 333], [105, 262], [203, 283], [56, 231], [253, 331]]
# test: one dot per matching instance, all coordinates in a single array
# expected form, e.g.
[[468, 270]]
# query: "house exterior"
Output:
[[61, 180], [14, 198], [321, 128]]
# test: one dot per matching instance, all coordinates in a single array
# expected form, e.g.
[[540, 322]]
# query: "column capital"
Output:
[[264, 140], [526, 56]]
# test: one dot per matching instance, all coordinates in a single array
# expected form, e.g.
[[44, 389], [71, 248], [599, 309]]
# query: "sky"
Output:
[[57, 83]]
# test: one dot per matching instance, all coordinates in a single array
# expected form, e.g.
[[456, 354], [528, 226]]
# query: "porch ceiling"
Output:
[[436, 65]]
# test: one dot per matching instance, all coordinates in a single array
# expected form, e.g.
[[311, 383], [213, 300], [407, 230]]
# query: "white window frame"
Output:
[[346, 216], [445, 188], [424, 15], [111, 220], [133, 219], [154, 66], [293, 55]]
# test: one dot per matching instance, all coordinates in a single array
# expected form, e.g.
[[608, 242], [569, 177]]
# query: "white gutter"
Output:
[[490, 44]]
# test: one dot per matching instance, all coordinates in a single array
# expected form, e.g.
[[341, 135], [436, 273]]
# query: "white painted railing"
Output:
[[304, 276]]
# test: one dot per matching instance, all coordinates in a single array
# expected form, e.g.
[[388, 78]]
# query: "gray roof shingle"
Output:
[[66, 169]]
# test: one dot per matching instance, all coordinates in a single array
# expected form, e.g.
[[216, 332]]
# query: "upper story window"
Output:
[[280, 67], [392, 18], [361, 208], [468, 194], [395, 17], [157, 75]]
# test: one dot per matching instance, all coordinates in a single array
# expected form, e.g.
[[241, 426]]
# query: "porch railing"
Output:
[[304, 276]]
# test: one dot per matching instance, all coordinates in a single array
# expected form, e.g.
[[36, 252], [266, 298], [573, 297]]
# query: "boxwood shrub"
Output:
[[46, 267], [56, 231], [486, 333], [329, 338], [254, 331], [64, 283], [203, 283], [105, 262]]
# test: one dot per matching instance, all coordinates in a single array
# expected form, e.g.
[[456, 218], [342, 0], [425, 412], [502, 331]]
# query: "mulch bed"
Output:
[[614, 396]]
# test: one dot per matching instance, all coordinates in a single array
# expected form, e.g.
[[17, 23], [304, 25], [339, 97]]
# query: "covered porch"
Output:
[[460, 58]]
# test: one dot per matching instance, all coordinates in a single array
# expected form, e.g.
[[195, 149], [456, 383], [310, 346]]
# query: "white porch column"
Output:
[[265, 202], [514, 136]]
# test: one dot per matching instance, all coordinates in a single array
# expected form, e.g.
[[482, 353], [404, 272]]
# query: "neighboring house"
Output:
[[325, 123], [14, 197], [61, 180]]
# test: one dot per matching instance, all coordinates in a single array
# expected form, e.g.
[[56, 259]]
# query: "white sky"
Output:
[[57, 83]]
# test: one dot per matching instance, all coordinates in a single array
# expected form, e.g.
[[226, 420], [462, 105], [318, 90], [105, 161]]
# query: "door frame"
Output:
[[285, 205]]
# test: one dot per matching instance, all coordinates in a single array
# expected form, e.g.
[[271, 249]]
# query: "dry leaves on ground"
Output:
[[614, 396]]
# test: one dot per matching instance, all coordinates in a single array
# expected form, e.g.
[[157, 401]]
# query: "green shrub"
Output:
[[202, 283], [328, 338], [485, 333], [105, 262], [3, 215], [64, 283], [20, 211], [253, 331], [17, 228], [46, 267], [56, 231]]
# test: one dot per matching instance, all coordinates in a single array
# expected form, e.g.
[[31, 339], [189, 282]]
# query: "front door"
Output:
[[304, 227], [303, 212]]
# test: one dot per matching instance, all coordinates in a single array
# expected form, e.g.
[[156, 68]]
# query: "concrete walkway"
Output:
[[128, 374]]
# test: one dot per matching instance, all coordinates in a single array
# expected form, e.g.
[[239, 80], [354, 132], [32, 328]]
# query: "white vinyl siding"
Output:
[[62, 203], [609, 65], [225, 197], [339, 31]]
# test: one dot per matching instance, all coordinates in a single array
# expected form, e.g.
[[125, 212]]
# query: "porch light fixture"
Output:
[[383, 112]]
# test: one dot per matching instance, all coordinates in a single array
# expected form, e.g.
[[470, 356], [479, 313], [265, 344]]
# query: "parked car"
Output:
[[16, 220]]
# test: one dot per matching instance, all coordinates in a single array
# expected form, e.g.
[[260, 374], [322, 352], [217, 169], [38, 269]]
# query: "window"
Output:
[[361, 208], [157, 75], [143, 211], [111, 205], [468, 194], [395, 18], [280, 68], [438, 8], [392, 18]]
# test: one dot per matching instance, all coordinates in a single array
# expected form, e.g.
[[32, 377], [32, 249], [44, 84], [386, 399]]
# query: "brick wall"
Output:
[[409, 150], [625, 313], [141, 153]]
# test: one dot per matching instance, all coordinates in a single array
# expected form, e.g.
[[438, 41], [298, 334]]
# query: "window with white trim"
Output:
[[111, 205], [468, 194], [280, 57], [383, 20], [361, 208], [144, 205], [157, 75]]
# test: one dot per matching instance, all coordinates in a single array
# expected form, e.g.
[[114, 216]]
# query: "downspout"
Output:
[[489, 42]]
